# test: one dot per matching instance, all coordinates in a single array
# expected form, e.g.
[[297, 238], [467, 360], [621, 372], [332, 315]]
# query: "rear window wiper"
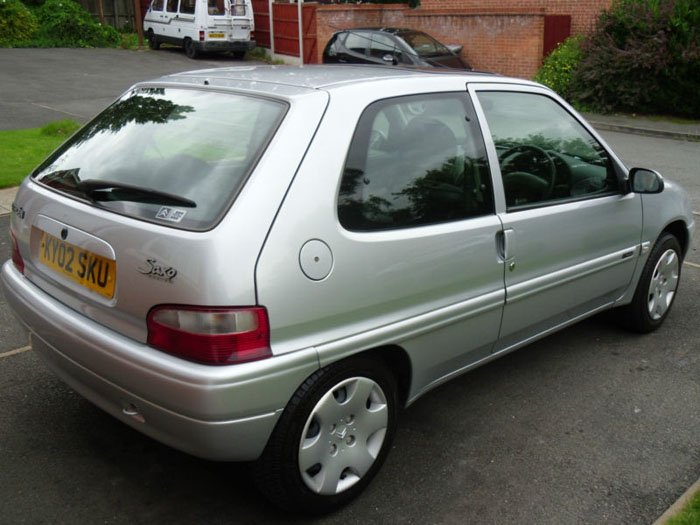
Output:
[[105, 190]]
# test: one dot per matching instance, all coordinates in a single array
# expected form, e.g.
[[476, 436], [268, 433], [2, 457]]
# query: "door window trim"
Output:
[[474, 88]]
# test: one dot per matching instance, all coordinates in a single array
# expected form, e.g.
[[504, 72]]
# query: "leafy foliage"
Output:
[[17, 23], [64, 23], [559, 65], [644, 56]]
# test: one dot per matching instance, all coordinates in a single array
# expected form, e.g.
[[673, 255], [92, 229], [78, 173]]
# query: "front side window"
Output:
[[157, 5], [171, 156], [171, 6], [383, 45], [414, 161], [544, 153], [357, 42]]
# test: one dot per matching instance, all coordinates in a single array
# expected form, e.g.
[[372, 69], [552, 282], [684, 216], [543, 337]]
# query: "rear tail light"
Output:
[[16, 256], [201, 36], [252, 35], [214, 336]]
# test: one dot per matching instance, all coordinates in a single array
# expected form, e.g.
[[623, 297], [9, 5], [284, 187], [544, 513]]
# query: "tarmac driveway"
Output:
[[38, 86]]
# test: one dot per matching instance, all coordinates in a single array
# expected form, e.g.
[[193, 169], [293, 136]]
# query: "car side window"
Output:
[[383, 45], [186, 6], [357, 42], [157, 5], [413, 161], [171, 6], [545, 154]]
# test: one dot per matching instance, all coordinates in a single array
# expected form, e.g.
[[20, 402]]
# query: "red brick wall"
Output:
[[509, 43], [584, 13], [506, 42]]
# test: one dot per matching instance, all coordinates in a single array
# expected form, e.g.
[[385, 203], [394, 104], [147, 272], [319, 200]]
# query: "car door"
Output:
[[392, 241], [571, 231], [169, 18]]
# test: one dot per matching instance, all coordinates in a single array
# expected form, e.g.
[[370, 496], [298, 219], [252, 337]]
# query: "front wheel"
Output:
[[657, 287], [331, 439], [190, 49]]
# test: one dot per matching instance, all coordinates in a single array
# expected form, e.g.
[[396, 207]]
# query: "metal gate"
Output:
[[557, 28]]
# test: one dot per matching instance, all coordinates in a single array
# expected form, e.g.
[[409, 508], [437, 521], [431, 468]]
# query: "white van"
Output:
[[201, 25]]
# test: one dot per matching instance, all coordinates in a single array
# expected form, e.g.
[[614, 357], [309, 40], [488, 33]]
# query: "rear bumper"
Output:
[[226, 45], [219, 413]]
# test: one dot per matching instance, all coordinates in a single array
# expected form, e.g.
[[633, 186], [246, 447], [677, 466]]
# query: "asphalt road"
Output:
[[590, 425], [38, 86]]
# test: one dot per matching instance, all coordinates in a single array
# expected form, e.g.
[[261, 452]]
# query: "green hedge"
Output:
[[17, 23], [64, 23], [559, 65], [644, 56]]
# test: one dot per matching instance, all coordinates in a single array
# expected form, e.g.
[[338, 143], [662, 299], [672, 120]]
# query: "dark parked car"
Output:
[[391, 46]]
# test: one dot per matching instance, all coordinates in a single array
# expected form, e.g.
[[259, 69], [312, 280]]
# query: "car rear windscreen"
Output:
[[173, 156]]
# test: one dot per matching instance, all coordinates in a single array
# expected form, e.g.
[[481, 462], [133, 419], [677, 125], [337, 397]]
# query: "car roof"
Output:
[[392, 30], [307, 76]]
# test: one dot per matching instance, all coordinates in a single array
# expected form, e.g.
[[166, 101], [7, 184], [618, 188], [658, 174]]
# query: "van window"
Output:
[[415, 160], [187, 7], [171, 156], [171, 6], [216, 7], [238, 8], [157, 5]]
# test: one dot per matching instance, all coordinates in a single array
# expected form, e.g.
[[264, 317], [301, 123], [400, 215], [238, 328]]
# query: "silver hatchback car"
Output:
[[264, 264]]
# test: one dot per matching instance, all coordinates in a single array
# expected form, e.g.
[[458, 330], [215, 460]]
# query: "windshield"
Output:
[[167, 155], [424, 45]]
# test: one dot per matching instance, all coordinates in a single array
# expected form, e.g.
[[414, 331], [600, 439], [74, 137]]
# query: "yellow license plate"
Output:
[[216, 35], [92, 271]]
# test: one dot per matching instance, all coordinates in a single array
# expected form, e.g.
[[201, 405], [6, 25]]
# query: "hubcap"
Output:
[[343, 436], [662, 287]]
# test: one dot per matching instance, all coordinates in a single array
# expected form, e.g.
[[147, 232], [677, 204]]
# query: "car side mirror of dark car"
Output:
[[389, 58], [644, 180], [455, 48]]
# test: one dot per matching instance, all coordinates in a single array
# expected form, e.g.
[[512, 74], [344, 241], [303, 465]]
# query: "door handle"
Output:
[[506, 247]]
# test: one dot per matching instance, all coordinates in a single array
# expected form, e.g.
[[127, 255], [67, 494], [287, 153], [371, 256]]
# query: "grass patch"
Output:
[[258, 53], [690, 515], [21, 150], [130, 41]]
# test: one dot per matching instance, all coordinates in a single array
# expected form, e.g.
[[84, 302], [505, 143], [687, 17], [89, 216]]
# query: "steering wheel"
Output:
[[518, 180]]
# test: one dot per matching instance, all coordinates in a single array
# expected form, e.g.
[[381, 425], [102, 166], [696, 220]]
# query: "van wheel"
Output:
[[331, 439], [190, 48], [152, 42], [657, 287]]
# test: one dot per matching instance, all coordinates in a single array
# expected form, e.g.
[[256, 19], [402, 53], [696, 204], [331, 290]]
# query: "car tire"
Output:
[[190, 49], [657, 287], [331, 439], [152, 41]]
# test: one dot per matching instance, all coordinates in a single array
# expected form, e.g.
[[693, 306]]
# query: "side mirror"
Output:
[[643, 180], [455, 48], [389, 58]]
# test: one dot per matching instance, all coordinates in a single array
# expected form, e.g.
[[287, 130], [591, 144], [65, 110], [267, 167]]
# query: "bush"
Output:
[[643, 57], [64, 23], [559, 65], [17, 23]]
